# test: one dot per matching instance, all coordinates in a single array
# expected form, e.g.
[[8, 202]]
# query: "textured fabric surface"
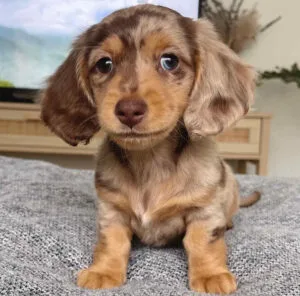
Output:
[[48, 229]]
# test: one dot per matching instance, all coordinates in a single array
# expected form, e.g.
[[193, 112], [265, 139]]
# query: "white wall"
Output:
[[279, 46]]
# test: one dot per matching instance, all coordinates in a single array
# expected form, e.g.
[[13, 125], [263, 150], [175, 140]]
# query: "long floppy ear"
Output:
[[223, 87], [67, 106]]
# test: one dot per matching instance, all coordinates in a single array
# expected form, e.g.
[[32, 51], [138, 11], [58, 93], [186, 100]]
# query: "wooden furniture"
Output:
[[21, 130], [247, 140]]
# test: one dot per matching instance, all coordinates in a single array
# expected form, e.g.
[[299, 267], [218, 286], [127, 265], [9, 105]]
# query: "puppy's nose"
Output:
[[131, 111]]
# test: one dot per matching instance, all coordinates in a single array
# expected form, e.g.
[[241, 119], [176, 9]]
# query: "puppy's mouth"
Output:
[[139, 140], [138, 135]]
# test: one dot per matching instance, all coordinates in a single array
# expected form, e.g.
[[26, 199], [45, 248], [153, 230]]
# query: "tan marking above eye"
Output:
[[112, 47], [155, 43]]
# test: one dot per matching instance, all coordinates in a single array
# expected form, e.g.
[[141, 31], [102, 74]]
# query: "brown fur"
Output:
[[163, 178]]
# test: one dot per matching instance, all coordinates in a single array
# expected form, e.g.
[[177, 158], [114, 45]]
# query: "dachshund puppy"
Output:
[[159, 85]]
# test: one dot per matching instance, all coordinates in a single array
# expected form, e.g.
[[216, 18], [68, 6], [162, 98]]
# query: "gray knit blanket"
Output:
[[48, 229]]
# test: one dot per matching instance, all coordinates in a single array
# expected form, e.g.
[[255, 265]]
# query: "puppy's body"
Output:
[[163, 188], [159, 85]]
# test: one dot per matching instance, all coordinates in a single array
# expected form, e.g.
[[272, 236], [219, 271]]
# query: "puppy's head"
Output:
[[140, 71]]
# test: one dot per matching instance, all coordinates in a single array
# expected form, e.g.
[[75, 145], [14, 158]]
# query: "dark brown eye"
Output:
[[104, 65], [169, 61]]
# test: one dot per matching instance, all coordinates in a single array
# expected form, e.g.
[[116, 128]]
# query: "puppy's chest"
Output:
[[158, 233], [152, 228], [148, 185]]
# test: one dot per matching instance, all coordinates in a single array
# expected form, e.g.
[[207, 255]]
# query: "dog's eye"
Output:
[[169, 61], [104, 65]]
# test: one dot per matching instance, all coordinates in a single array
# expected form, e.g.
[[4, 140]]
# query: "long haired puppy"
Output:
[[158, 85]]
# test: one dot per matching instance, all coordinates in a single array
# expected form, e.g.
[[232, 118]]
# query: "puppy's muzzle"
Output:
[[131, 111]]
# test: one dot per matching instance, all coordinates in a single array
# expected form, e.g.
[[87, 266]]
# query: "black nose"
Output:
[[131, 111]]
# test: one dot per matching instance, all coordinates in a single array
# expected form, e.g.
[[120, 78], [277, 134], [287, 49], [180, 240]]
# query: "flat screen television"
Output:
[[35, 37]]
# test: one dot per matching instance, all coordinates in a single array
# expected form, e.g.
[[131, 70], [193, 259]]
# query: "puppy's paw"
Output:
[[223, 283], [92, 279]]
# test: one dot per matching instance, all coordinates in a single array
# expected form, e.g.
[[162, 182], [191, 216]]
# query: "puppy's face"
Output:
[[140, 71], [141, 75]]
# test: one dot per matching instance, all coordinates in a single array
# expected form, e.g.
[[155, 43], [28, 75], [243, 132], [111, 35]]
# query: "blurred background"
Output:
[[35, 37]]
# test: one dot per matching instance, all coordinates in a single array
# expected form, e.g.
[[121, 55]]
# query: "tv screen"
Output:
[[35, 35]]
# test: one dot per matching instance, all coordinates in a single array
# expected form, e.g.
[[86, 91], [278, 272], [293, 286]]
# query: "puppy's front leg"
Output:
[[110, 259], [206, 253]]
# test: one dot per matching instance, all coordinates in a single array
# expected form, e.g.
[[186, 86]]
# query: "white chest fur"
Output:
[[157, 233]]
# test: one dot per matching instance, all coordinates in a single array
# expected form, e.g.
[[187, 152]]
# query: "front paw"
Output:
[[93, 279], [223, 283]]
